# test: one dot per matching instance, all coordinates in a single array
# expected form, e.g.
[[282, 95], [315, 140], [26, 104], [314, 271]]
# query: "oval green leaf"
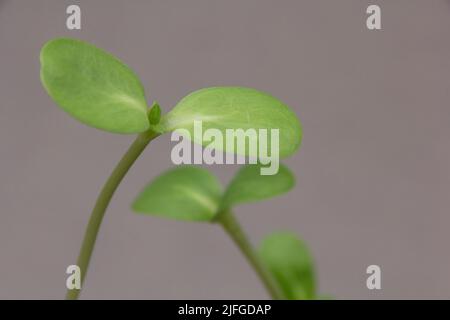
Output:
[[291, 264], [184, 193], [93, 86], [249, 185], [235, 108]]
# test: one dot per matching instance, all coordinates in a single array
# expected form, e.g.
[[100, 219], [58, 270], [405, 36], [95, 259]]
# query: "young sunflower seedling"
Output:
[[190, 193], [100, 91]]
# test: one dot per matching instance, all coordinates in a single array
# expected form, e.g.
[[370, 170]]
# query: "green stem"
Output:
[[234, 230], [102, 203]]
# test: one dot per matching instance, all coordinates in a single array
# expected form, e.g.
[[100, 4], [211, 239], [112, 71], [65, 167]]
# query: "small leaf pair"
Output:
[[102, 92], [192, 193]]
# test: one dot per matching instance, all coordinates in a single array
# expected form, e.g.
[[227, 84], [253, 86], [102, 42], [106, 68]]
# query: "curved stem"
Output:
[[234, 230], [102, 203]]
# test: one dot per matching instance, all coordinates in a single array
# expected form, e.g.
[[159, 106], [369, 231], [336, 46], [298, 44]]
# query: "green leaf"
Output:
[[249, 185], [154, 115], [184, 193], [235, 108], [291, 264], [93, 86]]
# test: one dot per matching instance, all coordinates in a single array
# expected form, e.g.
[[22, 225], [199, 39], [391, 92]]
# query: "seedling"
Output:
[[190, 193], [100, 91]]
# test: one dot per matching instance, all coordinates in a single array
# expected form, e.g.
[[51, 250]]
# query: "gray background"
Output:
[[373, 174]]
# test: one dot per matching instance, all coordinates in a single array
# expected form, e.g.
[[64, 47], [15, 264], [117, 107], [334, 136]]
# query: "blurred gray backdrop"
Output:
[[373, 174]]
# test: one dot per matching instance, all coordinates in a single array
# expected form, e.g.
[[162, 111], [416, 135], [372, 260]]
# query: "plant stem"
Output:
[[234, 230], [102, 203]]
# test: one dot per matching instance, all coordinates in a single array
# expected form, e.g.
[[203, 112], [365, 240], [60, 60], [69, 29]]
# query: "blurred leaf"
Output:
[[235, 108], [249, 185], [291, 264], [184, 193], [93, 86]]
